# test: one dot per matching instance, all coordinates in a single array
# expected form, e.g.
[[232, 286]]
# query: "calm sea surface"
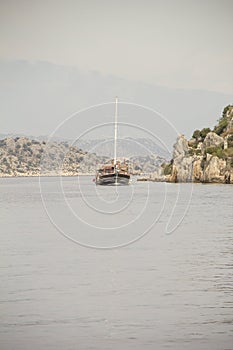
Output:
[[170, 289]]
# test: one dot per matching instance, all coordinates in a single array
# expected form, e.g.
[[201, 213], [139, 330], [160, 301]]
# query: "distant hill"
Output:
[[126, 147], [23, 156]]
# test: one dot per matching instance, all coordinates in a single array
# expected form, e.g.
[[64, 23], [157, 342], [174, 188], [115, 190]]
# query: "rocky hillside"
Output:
[[142, 165], [21, 156], [207, 157]]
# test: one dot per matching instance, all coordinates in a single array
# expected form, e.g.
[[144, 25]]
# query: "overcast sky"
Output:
[[123, 46]]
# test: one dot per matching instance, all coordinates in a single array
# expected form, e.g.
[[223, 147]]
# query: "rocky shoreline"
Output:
[[206, 158], [45, 175]]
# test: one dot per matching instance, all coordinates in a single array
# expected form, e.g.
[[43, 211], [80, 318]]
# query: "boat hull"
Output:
[[113, 179]]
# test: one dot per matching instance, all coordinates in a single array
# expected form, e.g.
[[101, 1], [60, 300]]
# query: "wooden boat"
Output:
[[115, 173], [111, 174]]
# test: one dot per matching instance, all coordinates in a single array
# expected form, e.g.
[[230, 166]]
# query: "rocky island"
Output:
[[206, 158]]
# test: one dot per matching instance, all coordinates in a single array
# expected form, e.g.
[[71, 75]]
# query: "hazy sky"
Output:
[[177, 44]]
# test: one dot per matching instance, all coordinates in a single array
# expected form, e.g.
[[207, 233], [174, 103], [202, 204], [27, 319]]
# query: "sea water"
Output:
[[143, 267]]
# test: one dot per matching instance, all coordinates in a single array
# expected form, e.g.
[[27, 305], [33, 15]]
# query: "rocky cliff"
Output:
[[207, 157]]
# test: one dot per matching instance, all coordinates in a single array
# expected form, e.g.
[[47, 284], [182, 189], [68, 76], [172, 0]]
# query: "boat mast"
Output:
[[115, 137]]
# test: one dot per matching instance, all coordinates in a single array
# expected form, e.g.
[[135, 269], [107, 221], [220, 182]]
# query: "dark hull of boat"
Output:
[[113, 179]]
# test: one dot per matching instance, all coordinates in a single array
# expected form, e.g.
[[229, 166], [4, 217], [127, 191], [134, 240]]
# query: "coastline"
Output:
[[45, 175]]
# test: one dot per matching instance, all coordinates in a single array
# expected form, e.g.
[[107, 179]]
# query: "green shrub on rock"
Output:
[[168, 169], [216, 151], [223, 121], [204, 132], [196, 134], [219, 129]]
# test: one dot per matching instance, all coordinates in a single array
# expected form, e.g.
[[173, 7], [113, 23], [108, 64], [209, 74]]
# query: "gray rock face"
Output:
[[183, 168], [212, 140], [182, 162], [230, 125], [200, 167], [215, 169], [181, 147], [204, 158]]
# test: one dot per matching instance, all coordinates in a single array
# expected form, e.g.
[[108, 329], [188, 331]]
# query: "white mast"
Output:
[[115, 137]]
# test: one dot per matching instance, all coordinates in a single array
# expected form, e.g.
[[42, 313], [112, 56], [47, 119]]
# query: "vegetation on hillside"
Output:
[[199, 135], [22, 156], [167, 168], [224, 121], [224, 129], [206, 144]]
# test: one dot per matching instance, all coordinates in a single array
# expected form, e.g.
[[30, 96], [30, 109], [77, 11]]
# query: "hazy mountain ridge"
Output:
[[58, 91], [126, 147]]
